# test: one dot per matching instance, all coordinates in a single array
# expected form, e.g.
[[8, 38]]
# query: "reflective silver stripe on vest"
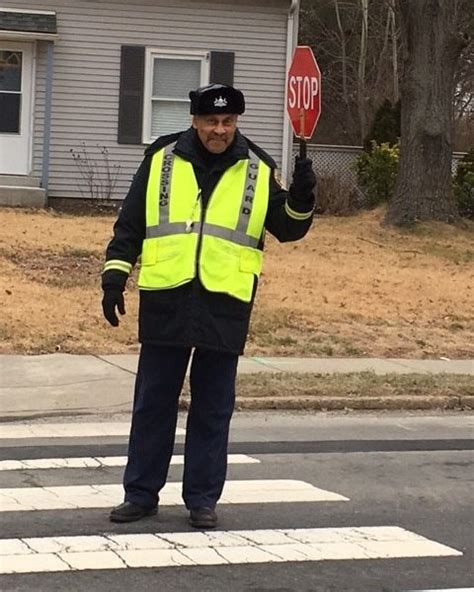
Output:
[[166, 229], [235, 236], [248, 195], [165, 184]]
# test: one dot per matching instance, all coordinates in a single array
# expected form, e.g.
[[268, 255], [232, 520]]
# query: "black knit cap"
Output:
[[217, 99]]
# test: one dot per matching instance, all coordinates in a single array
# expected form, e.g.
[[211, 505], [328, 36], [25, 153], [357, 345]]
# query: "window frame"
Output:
[[172, 54]]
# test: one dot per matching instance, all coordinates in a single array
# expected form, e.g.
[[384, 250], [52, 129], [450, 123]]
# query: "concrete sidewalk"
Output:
[[81, 384]]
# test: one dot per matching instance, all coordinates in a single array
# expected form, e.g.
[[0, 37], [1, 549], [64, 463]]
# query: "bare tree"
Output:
[[362, 66], [464, 88], [394, 40], [351, 39], [343, 42], [431, 45]]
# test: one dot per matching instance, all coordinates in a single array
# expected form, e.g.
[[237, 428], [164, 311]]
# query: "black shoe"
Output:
[[128, 512], [203, 518]]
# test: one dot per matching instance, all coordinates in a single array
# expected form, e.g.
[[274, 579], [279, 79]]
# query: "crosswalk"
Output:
[[114, 549]]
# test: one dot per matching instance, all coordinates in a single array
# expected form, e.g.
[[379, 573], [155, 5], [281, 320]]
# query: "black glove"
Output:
[[113, 298], [304, 180]]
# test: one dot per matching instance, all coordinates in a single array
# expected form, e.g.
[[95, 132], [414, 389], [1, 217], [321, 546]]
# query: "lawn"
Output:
[[350, 288]]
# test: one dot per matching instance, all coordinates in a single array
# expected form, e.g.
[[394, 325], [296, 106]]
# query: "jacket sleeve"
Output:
[[128, 232], [288, 219]]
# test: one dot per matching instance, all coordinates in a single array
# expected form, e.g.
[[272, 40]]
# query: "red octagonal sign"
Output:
[[304, 92]]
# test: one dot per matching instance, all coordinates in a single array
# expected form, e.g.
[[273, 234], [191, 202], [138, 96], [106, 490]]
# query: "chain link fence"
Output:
[[339, 160], [338, 191]]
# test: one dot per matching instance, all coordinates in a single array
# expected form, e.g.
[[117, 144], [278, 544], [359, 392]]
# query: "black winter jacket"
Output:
[[189, 315]]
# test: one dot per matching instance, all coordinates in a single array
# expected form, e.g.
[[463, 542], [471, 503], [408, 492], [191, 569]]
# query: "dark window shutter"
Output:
[[132, 78], [222, 67]]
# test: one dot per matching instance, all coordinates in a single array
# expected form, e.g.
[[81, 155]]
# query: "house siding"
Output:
[[87, 70]]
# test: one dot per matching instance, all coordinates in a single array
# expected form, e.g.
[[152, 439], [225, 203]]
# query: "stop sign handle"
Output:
[[303, 152]]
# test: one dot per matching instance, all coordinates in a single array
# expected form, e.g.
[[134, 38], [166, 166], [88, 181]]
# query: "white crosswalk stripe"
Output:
[[68, 430], [216, 548], [22, 499], [87, 462], [108, 551]]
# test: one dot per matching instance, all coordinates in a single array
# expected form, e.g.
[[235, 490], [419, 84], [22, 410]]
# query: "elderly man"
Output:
[[196, 215]]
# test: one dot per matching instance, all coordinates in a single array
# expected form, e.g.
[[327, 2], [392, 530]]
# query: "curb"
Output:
[[399, 403]]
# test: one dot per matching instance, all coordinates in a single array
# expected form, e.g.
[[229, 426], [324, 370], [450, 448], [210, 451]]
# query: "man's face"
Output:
[[216, 132]]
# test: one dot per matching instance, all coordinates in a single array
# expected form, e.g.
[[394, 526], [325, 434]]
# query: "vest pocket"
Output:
[[160, 249], [229, 268], [167, 261], [251, 261], [149, 251]]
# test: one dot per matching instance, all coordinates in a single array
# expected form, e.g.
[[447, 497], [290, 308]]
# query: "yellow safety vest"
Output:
[[223, 248]]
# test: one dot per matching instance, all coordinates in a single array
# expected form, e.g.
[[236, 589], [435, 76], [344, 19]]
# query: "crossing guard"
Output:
[[196, 216]]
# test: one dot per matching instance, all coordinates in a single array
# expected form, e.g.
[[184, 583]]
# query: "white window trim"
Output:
[[150, 54]]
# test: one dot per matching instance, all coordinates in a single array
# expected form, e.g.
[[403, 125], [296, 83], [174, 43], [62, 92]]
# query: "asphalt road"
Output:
[[412, 472]]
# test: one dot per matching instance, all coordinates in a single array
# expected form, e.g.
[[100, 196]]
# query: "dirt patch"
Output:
[[71, 268], [350, 288]]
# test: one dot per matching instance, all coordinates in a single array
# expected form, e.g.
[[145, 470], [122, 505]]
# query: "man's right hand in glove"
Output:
[[113, 299]]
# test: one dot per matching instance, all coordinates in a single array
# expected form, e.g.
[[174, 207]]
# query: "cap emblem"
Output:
[[220, 102]]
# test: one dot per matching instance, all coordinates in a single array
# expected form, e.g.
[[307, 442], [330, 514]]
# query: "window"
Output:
[[154, 88], [168, 79], [10, 91]]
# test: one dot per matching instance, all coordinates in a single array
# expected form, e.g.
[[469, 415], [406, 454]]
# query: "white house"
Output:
[[112, 75]]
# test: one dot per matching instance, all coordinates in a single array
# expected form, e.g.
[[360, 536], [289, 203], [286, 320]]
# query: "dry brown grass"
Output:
[[350, 288]]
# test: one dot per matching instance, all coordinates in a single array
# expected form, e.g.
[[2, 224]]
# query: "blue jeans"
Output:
[[160, 377]]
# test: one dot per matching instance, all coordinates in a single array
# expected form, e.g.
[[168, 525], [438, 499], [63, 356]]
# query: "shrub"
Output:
[[464, 185], [336, 196], [99, 174], [376, 173]]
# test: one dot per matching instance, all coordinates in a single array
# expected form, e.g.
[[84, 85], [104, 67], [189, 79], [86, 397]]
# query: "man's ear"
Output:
[[193, 123]]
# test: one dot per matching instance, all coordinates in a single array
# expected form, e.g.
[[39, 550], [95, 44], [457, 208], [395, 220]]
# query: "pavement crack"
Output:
[[65, 561], [273, 554], [114, 365], [184, 559], [29, 546], [122, 560], [216, 549], [249, 541], [176, 544], [54, 385], [293, 538]]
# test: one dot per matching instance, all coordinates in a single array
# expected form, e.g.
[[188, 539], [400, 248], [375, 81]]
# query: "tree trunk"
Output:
[[430, 50]]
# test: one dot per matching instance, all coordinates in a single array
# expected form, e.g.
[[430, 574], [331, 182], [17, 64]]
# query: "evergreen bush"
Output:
[[376, 173], [386, 126]]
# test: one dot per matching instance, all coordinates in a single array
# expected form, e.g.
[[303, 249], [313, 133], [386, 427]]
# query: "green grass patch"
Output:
[[354, 384]]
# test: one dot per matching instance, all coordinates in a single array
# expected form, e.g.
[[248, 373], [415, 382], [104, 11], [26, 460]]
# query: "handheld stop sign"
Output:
[[304, 95]]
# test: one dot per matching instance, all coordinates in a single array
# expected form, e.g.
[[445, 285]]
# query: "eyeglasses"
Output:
[[210, 121]]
